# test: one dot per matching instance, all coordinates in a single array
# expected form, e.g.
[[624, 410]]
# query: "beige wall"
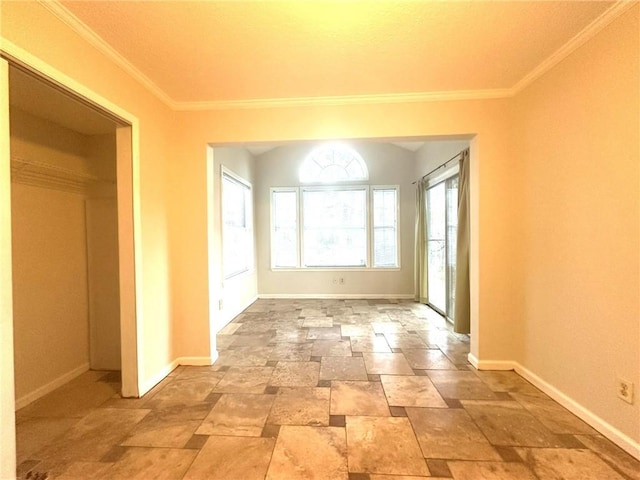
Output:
[[49, 259], [238, 292], [506, 212], [578, 146], [434, 153], [387, 165], [32, 28]]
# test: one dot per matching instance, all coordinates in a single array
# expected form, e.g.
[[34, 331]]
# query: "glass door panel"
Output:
[[436, 258], [442, 232]]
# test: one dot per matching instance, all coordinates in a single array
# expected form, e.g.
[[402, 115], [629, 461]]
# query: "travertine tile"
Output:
[[383, 445], [490, 471], [386, 364], [356, 330], [33, 434], [244, 380], [460, 385], [317, 322], [237, 414], [409, 391], [612, 454], [82, 470], [450, 434], [188, 389], [508, 423], [427, 359], [342, 368], [157, 463], [296, 374], [331, 348], [568, 464], [309, 453], [404, 340], [168, 424], [358, 399], [252, 340], [552, 415], [327, 333], [508, 381], [75, 399], [93, 436], [244, 356], [291, 352], [388, 327], [225, 458], [370, 343], [300, 406], [229, 329]]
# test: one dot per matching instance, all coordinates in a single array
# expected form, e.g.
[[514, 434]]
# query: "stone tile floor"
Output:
[[318, 389]]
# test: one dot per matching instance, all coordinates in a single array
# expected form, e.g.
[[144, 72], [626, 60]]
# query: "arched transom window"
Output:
[[333, 163]]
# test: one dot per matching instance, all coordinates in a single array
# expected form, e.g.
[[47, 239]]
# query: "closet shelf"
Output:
[[41, 174]]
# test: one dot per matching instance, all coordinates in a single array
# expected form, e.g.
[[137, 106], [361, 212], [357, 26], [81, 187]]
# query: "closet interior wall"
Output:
[[65, 257]]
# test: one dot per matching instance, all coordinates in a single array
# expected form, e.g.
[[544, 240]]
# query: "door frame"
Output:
[[129, 213]]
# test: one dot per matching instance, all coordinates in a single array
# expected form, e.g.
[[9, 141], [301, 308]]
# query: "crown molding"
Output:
[[416, 97], [577, 41], [78, 26], [62, 13]]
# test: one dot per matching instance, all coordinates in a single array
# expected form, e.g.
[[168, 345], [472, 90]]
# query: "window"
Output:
[[334, 227], [284, 227], [237, 225], [333, 163], [385, 226]]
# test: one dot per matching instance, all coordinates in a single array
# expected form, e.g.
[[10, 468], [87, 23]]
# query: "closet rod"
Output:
[[439, 166]]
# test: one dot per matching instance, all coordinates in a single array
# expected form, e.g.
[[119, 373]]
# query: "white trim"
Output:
[[576, 42], [51, 386], [328, 101], [605, 428], [86, 33], [151, 382], [490, 364], [95, 40], [346, 296], [226, 316], [50, 73], [197, 361]]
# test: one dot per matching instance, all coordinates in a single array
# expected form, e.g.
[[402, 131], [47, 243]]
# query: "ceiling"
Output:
[[203, 53]]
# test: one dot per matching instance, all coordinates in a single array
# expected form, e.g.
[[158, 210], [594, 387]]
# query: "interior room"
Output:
[[264, 239]]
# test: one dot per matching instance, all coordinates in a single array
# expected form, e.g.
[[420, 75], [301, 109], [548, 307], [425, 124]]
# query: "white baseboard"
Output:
[[605, 428], [148, 384], [343, 296], [625, 442], [490, 364], [51, 386], [197, 361], [225, 316]]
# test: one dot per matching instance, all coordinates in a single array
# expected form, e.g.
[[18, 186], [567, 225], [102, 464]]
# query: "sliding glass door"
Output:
[[442, 228]]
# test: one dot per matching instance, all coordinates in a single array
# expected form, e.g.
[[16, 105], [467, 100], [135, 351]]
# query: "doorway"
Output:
[[88, 161], [442, 227]]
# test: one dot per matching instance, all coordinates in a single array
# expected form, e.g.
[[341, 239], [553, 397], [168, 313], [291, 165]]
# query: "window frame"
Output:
[[249, 220], [368, 226], [373, 226]]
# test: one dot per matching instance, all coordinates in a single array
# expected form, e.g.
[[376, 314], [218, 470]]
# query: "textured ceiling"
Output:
[[210, 51]]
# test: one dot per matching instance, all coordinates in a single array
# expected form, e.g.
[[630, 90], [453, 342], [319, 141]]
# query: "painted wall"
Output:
[[578, 144], [238, 292], [49, 259], [433, 154], [387, 165], [34, 29], [491, 229]]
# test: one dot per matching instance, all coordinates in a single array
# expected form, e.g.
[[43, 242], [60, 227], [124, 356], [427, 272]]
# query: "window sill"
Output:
[[336, 269]]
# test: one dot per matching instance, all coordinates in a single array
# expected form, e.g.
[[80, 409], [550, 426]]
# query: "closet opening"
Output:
[[72, 240]]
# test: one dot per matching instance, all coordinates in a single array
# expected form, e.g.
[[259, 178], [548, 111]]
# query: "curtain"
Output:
[[420, 270], [462, 320]]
